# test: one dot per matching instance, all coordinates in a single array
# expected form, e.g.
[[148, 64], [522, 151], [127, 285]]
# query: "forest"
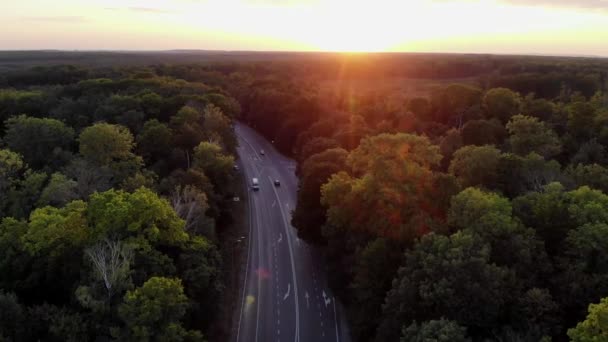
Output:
[[471, 209], [115, 187], [475, 211]]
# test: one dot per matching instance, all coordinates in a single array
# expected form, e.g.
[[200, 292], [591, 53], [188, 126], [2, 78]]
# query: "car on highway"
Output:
[[262, 152], [277, 182], [255, 184]]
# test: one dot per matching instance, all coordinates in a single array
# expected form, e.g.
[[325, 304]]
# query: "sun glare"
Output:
[[358, 26], [327, 25]]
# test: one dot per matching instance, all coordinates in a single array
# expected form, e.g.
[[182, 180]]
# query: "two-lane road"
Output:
[[285, 296]]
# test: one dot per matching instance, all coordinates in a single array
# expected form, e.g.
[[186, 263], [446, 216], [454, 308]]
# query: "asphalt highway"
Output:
[[284, 296]]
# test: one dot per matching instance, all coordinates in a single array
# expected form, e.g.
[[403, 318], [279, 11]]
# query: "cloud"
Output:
[[58, 19], [149, 10], [582, 4]]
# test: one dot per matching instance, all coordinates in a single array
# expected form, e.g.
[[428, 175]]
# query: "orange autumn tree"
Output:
[[388, 191]]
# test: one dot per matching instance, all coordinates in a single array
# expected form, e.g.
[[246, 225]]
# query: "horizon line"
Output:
[[178, 50]]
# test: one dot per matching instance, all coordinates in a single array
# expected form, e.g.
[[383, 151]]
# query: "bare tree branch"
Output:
[[111, 260], [190, 204]]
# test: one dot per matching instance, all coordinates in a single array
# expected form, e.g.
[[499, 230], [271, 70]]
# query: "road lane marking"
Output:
[[288, 290], [326, 299], [257, 314], [293, 265], [280, 238], [274, 203], [307, 302], [336, 323]]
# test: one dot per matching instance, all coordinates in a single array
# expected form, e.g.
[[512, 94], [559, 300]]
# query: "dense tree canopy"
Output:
[[523, 142], [94, 244]]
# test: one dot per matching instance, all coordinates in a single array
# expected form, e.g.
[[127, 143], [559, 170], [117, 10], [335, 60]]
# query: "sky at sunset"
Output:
[[563, 27]]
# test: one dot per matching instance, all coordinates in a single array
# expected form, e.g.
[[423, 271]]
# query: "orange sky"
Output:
[[570, 27]]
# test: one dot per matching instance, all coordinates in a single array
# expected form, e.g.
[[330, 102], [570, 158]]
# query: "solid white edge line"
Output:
[[238, 332], [336, 320]]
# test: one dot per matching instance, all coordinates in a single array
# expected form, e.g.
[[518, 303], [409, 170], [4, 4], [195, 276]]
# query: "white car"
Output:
[[262, 152], [277, 182]]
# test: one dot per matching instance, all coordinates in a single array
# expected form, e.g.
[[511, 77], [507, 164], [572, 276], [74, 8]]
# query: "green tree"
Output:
[[24, 194], [55, 231], [593, 175], [476, 165], [218, 127], [483, 132], [110, 146], [584, 267], [542, 109], [376, 266], [453, 102], [217, 165], [187, 129], [200, 268], [451, 277], [501, 103], [154, 141], [316, 145], [471, 205], [595, 327], [11, 169], [153, 312], [539, 314], [581, 119], [13, 318], [59, 191], [389, 189], [42, 142], [488, 215], [519, 175], [547, 213], [14, 263], [103, 144], [450, 143], [309, 215], [590, 152], [140, 214], [586, 205], [441, 330], [528, 134]]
